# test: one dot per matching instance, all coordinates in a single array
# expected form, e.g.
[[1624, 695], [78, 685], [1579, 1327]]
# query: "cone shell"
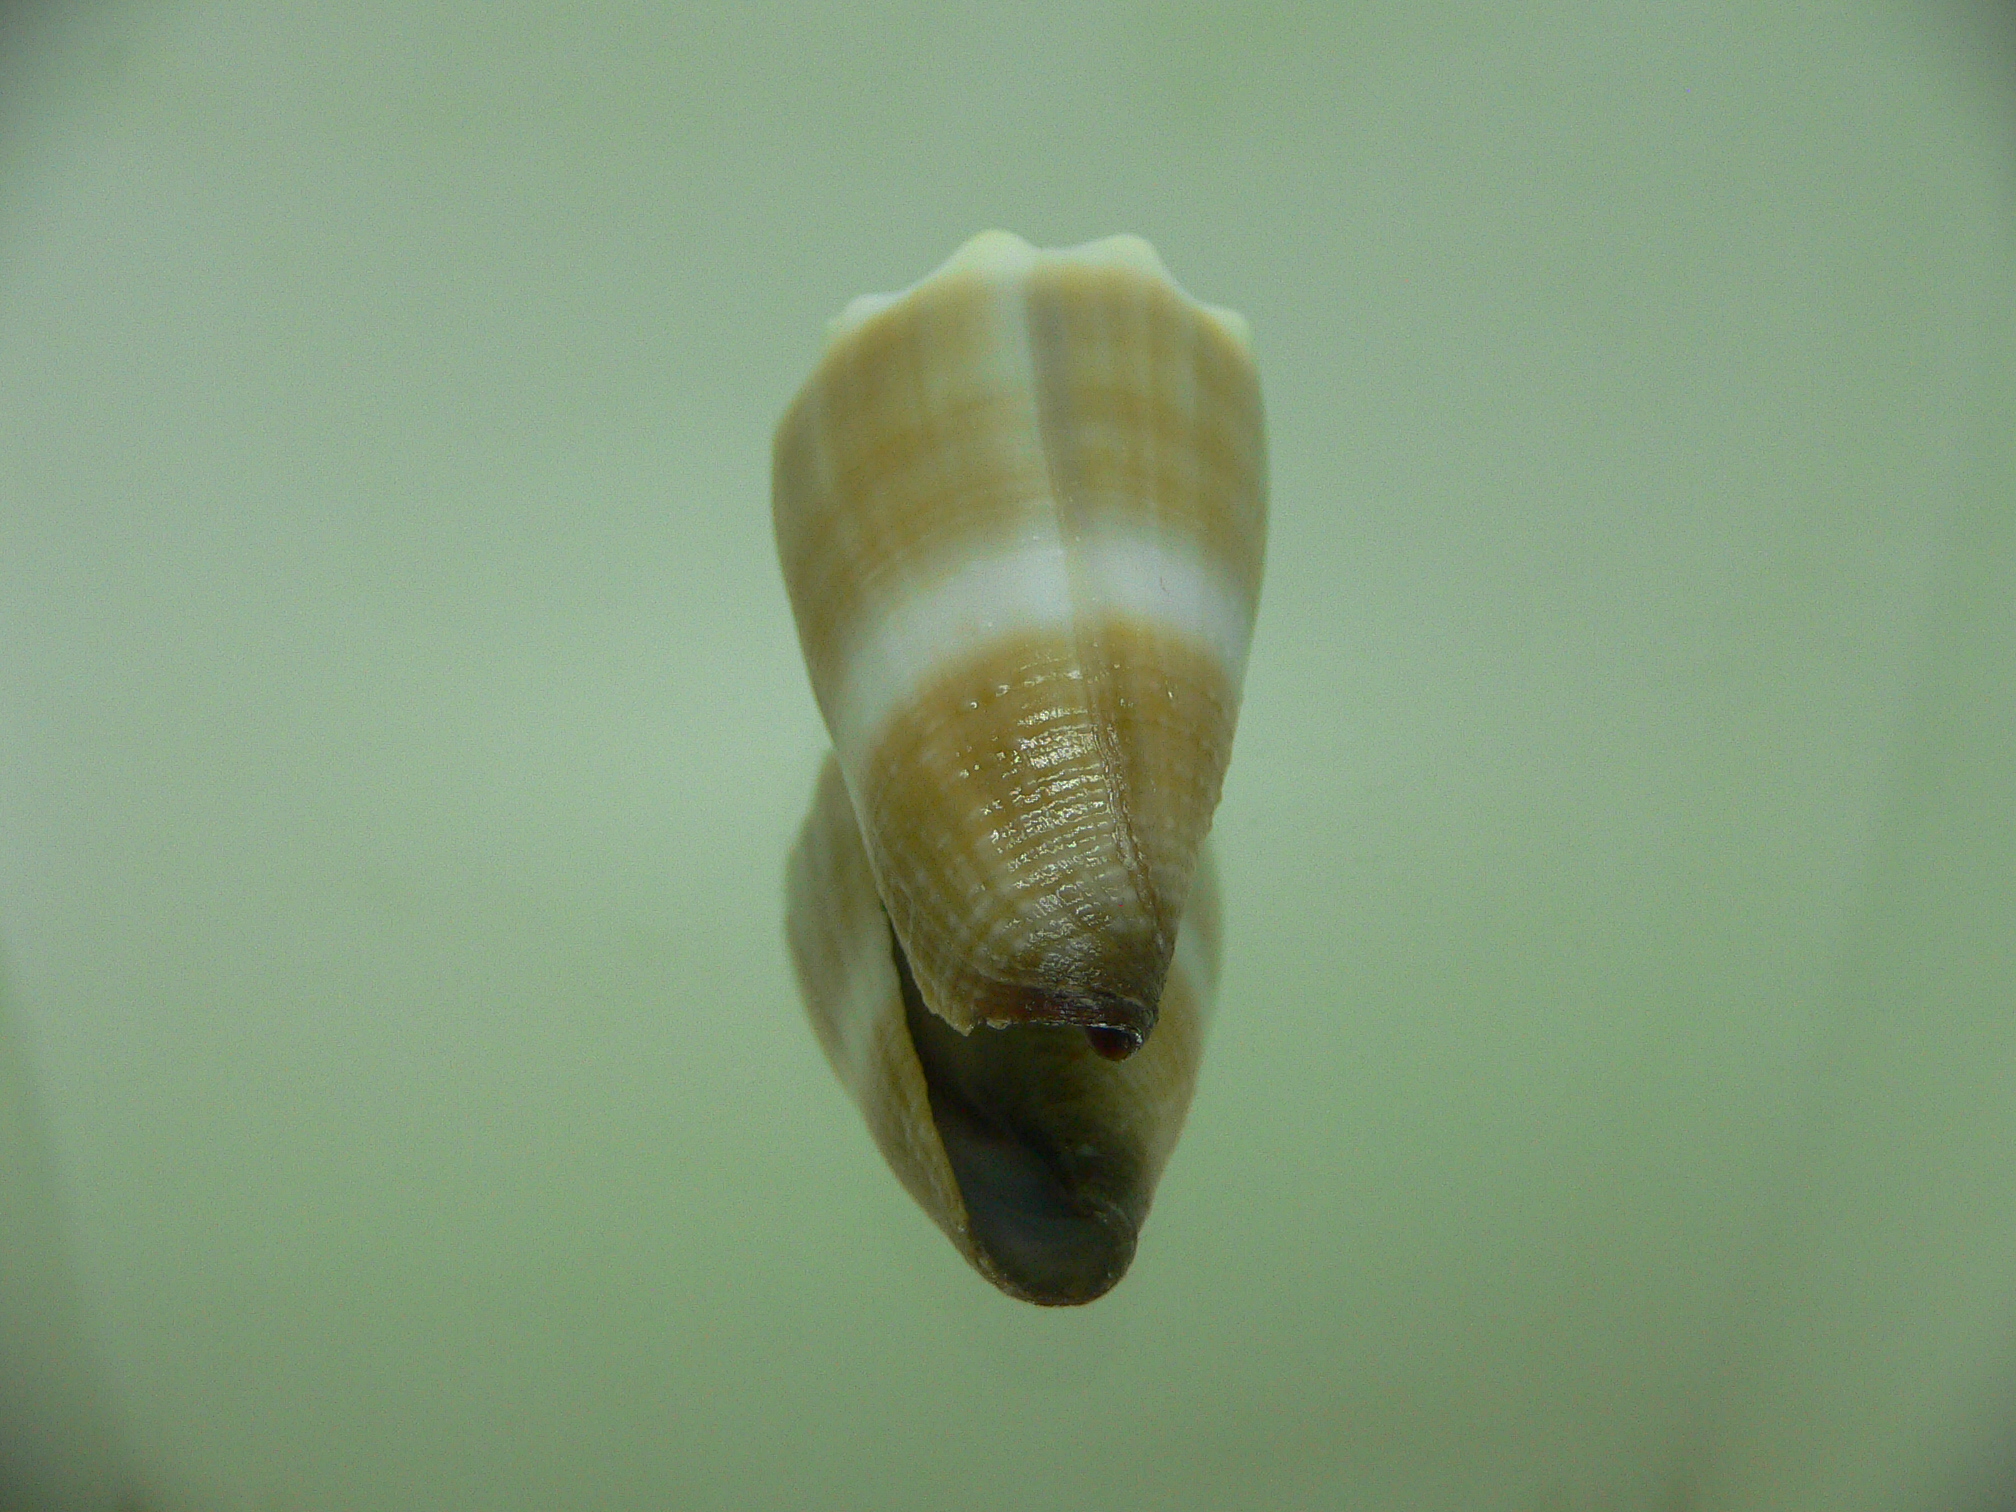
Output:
[[1021, 514]]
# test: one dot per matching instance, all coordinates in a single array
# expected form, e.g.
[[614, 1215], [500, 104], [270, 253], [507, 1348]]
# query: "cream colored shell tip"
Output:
[[1021, 512]]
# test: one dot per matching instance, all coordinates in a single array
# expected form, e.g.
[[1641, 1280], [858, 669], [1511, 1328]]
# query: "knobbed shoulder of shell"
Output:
[[1021, 513]]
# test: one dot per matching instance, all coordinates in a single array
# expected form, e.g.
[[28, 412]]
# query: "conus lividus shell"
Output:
[[1021, 513]]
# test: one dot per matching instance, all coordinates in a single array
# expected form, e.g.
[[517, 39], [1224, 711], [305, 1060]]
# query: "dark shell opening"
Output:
[[1054, 1194]]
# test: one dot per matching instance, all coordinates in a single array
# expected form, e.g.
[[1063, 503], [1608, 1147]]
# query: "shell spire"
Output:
[[1021, 513]]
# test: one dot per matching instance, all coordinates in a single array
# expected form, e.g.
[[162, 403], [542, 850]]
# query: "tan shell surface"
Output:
[[1009, 405], [1035, 743], [1065, 831]]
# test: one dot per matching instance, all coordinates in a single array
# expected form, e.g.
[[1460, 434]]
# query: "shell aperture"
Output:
[[1021, 514]]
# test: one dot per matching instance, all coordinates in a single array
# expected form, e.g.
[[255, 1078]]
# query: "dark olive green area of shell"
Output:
[[1054, 1198]]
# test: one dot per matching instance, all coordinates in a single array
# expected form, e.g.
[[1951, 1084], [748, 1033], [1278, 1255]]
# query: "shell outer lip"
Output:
[[1116, 1025]]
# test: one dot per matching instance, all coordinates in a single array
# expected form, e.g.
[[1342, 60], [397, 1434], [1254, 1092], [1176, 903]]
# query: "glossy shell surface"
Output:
[[1021, 514]]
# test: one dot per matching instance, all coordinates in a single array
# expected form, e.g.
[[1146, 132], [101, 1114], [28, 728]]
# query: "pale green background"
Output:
[[1613, 1099]]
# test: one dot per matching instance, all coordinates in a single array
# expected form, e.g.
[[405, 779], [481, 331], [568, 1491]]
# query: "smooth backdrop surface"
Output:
[[401, 732]]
